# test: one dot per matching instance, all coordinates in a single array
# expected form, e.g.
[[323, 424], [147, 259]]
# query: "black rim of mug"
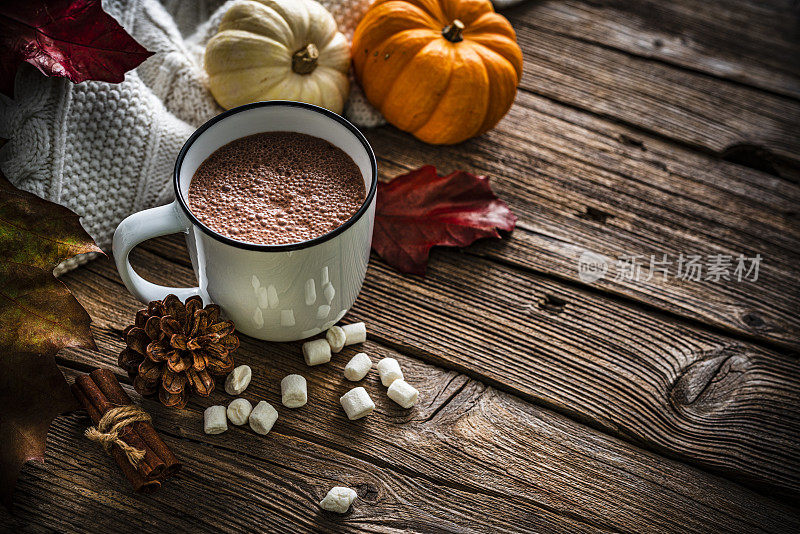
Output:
[[289, 246]]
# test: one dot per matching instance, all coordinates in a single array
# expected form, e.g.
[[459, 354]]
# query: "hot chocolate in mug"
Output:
[[272, 292]]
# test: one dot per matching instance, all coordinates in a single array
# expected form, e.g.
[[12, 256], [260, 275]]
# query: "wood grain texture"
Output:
[[694, 109], [547, 404], [752, 42], [618, 368], [242, 482], [705, 399], [580, 184], [467, 458]]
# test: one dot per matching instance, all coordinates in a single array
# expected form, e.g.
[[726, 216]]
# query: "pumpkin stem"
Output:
[[452, 32], [304, 61]]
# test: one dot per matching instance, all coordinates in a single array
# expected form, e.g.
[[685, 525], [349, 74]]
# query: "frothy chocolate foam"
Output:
[[276, 188]]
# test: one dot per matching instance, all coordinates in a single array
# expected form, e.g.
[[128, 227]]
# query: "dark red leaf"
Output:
[[421, 209], [75, 39]]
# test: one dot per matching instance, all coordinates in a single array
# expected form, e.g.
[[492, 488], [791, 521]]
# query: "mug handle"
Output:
[[140, 227]]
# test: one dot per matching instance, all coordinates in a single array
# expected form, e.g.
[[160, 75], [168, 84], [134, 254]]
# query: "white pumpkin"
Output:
[[278, 50]]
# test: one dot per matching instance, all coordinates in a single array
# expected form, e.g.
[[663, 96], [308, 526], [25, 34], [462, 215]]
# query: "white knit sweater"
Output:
[[107, 150]]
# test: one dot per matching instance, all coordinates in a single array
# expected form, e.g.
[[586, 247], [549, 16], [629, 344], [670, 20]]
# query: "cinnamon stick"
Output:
[[136, 479], [151, 466], [110, 387]]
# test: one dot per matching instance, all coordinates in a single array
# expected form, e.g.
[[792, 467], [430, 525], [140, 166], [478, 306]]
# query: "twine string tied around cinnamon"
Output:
[[108, 429]]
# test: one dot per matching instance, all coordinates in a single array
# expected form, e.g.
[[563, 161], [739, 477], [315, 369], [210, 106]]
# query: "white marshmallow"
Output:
[[238, 380], [403, 393], [293, 391], [336, 338], [338, 499], [272, 297], [287, 318], [389, 369], [356, 403], [261, 293], [214, 420], [263, 417], [239, 410], [311, 292], [316, 352], [329, 292], [358, 367], [355, 333]]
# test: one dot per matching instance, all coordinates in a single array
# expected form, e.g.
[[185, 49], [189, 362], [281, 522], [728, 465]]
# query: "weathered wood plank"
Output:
[[692, 108], [704, 398], [701, 397], [752, 42], [241, 482], [470, 458], [466, 459], [582, 184]]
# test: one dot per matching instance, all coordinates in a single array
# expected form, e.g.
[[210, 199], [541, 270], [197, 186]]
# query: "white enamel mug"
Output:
[[272, 292]]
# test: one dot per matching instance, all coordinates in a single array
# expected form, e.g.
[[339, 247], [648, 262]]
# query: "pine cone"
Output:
[[172, 345]]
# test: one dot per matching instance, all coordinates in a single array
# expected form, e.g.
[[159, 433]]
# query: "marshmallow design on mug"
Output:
[[338, 499], [403, 393], [239, 410], [316, 352], [389, 369], [238, 380], [263, 417], [355, 333], [293, 391], [356, 403], [336, 338], [214, 420]]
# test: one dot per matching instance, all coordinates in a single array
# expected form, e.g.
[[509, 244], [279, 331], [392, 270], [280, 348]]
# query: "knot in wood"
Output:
[[710, 383]]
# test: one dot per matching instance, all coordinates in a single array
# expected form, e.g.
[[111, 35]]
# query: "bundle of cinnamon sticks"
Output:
[[98, 392]]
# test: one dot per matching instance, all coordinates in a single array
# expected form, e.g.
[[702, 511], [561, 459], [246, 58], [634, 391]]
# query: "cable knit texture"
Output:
[[107, 150]]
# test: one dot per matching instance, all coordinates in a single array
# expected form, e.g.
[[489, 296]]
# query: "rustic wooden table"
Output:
[[547, 403]]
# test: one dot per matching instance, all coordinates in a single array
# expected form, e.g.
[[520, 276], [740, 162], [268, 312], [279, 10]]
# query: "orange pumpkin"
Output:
[[444, 70]]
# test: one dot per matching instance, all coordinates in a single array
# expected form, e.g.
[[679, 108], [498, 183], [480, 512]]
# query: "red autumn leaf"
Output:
[[75, 39], [39, 317], [421, 209]]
